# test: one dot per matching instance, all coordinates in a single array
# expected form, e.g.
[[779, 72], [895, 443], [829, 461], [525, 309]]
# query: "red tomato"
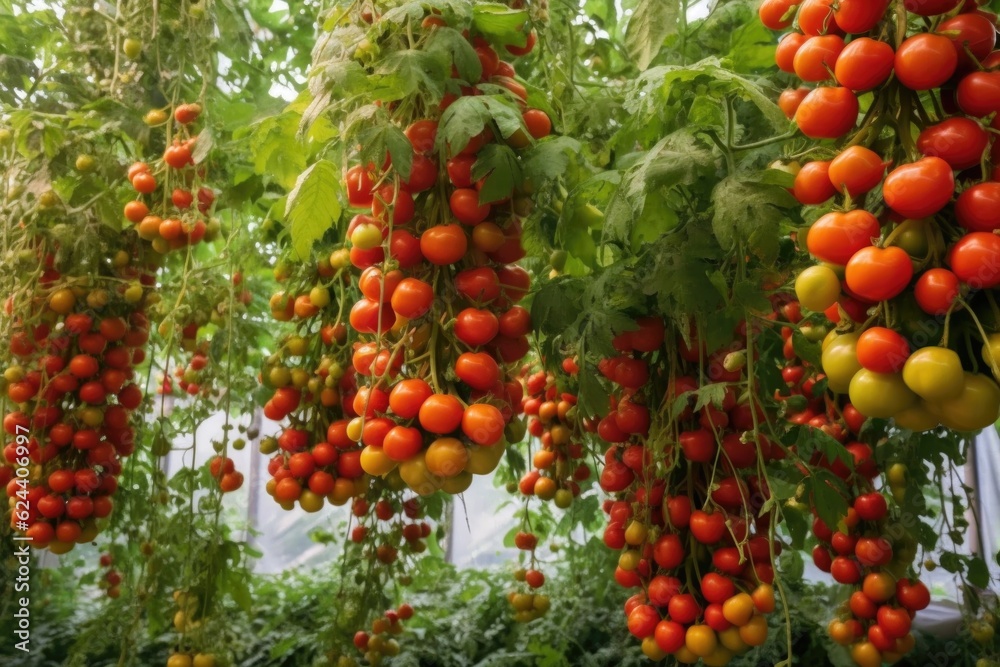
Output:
[[930, 7], [975, 34], [878, 274], [776, 15], [812, 183], [790, 99], [975, 259], [978, 93], [836, 237], [882, 350], [925, 61], [707, 528], [784, 54], [857, 16], [817, 57], [864, 64], [871, 506], [936, 290], [919, 189], [958, 141], [816, 18], [912, 594], [978, 208], [827, 113], [856, 170]]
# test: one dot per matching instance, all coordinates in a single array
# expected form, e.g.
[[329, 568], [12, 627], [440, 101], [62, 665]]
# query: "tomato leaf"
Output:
[[459, 50], [828, 497], [651, 23], [498, 164], [313, 205], [413, 71], [500, 23]]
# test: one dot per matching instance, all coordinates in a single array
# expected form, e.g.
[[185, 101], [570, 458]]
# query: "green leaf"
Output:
[[313, 205], [548, 159], [746, 211], [828, 497], [806, 350], [797, 525], [498, 164], [791, 565], [500, 23], [979, 573], [459, 50], [651, 23], [411, 71]]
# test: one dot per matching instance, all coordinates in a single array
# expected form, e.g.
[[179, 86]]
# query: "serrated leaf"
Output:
[[459, 50], [651, 23], [827, 497], [498, 164], [312, 206], [500, 23]]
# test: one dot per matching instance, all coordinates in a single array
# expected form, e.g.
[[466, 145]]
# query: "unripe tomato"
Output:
[[880, 395], [934, 373], [817, 287], [975, 408], [840, 362]]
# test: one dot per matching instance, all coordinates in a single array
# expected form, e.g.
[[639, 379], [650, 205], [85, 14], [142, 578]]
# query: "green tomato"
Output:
[[817, 288], [840, 362], [918, 417], [880, 395], [991, 353], [366, 236], [912, 238], [558, 259], [981, 631], [976, 406], [132, 48], [934, 373], [85, 163]]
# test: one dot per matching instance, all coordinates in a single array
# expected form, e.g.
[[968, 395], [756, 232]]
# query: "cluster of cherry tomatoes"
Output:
[[687, 499], [72, 391], [907, 249], [387, 522], [112, 579], [184, 622], [527, 603], [184, 217], [380, 641], [559, 464], [438, 317]]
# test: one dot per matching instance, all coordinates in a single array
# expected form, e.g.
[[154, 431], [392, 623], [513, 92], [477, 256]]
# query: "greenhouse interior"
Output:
[[506, 333]]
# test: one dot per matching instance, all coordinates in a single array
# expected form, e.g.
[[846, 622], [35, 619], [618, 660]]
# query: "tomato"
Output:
[[776, 15], [919, 189], [144, 182], [186, 114], [707, 528], [738, 609], [990, 353], [717, 588], [816, 18], [523, 50], [865, 654], [836, 237], [407, 396], [931, 7], [894, 622], [178, 156], [441, 414], [403, 247], [978, 93], [642, 621], [412, 298], [465, 206], [784, 55], [882, 350], [483, 424], [925, 61], [359, 184], [669, 636], [878, 274], [698, 446], [913, 595], [862, 606], [423, 174], [817, 57], [845, 570], [443, 244], [840, 362], [479, 285], [700, 639], [373, 284], [817, 287], [460, 170], [812, 183], [790, 99], [864, 64], [856, 170], [754, 633], [978, 208], [934, 373], [959, 141], [398, 200], [857, 16], [538, 123], [936, 291], [479, 370], [975, 259], [827, 113], [975, 34], [975, 408], [422, 135], [476, 327]]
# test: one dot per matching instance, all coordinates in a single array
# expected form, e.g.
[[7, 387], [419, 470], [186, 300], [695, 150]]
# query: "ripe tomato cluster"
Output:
[[559, 464], [907, 251], [313, 389], [112, 579], [438, 319], [687, 497], [862, 551], [187, 218], [74, 341], [379, 641]]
